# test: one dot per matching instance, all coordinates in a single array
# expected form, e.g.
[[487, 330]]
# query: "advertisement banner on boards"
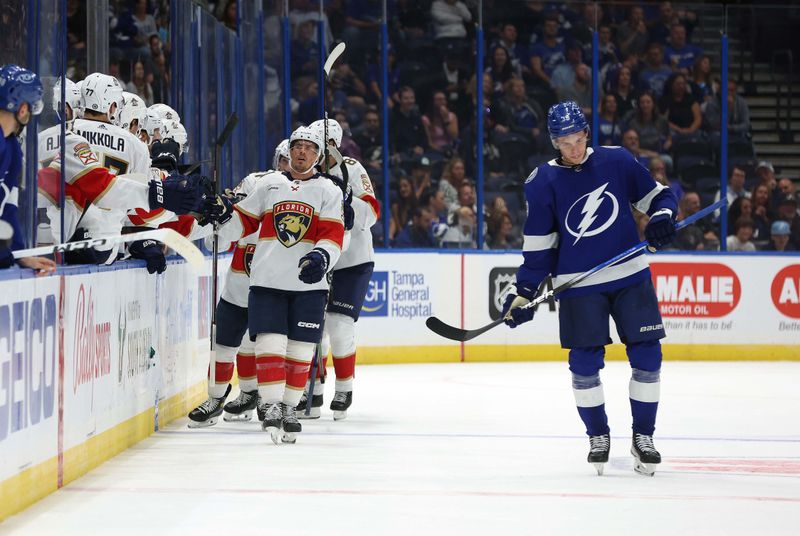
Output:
[[28, 373]]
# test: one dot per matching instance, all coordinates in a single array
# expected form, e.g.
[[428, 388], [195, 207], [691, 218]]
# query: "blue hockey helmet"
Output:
[[18, 86], [565, 118]]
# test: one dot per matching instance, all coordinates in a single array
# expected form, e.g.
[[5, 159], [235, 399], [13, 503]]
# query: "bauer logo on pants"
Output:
[[292, 220]]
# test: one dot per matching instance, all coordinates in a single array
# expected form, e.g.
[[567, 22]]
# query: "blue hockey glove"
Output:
[[219, 208], [660, 231], [151, 252], [313, 266], [178, 193], [6, 258], [513, 314], [164, 154]]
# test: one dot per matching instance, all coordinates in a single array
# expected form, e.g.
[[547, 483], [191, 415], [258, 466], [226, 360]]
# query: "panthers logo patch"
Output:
[[249, 251], [292, 220], [85, 154]]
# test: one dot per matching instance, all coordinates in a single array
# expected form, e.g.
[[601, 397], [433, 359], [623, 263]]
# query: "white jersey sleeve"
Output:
[[366, 210]]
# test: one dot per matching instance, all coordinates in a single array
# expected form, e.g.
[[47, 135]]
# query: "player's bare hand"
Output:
[[41, 265]]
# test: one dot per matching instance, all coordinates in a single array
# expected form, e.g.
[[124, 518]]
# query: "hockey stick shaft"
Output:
[[182, 246], [462, 335], [230, 124]]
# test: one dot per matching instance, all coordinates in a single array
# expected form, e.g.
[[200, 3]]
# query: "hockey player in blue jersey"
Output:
[[20, 99], [580, 214]]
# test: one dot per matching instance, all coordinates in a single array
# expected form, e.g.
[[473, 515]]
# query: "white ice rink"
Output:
[[464, 449]]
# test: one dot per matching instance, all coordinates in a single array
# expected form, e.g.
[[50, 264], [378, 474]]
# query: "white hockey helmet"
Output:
[[334, 130], [308, 134], [282, 150], [165, 112], [72, 96], [101, 91], [176, 131], [133, 109], [151, 123]]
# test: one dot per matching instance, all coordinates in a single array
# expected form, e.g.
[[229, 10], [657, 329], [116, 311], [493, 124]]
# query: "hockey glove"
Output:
[[151, 252], [177, 193], [313, 266], [82, 255], [6, 258], [660, 231], [513, 313], [164, 154], [219, 209]]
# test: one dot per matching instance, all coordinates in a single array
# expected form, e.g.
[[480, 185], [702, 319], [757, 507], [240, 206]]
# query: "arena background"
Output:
[[82, 378]]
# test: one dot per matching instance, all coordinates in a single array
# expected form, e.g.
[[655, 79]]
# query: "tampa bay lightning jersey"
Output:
[[581, 216]]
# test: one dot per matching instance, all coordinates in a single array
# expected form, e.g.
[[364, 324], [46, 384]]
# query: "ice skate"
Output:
[[645, 454], [207, 413], [341, 401], [241, 409], [271, 423], [316, 407], [290, 425], [599, 446]]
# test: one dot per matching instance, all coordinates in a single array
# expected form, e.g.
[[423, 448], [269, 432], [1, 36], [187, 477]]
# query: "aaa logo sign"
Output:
[[708, 290], [786, 291]]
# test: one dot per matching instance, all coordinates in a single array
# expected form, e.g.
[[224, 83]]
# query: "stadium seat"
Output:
[[703, 168], [696, 148]]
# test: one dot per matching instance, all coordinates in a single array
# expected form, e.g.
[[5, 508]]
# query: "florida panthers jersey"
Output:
[[292, 217], [120, 152], [366, 209], [89, 185], [580, 216], [237, 280]]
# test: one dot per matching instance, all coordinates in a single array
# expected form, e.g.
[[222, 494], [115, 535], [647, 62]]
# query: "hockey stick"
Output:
[[463, 335], [230, 124], [182, 246], [337, 51]]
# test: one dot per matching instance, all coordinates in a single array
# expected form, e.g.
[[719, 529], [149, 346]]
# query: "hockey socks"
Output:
[[246, 370], [220, 377], [590, 400], [345, 368], [298, 363], [645, 389], [271, 366], [343, 344]]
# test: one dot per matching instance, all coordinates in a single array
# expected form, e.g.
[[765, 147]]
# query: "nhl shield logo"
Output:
[[249, 251], [292, 220]]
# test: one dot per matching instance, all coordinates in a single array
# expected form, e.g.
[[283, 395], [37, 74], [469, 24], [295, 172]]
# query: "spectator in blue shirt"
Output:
[[548, 53], [679, 54], [417, 234], [655, 72]]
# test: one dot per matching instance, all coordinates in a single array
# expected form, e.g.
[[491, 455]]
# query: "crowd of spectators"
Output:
[[139, 45], [659, 98]]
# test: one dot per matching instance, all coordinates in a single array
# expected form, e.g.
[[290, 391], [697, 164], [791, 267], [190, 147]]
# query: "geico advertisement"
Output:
[[714, 299], [28, 373], [403, 291]]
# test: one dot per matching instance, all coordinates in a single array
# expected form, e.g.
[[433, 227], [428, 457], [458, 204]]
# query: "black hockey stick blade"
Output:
[[230, 124], [456, 334]]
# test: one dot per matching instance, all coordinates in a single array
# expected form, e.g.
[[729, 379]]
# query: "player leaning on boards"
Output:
[[231, 332], [349, 282], [301, 231], [578, 215], [20, 99]]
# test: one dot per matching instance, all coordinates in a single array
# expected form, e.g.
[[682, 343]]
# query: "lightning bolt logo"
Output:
[[591, 205]]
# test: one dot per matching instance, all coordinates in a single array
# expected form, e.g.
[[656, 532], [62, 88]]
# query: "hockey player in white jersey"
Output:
[[117, 150], [349, 283], [166, 113], [231, 329], [133, 110], [301, 232]]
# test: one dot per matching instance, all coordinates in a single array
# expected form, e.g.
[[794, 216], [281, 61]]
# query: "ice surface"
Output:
[[464, 449]]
